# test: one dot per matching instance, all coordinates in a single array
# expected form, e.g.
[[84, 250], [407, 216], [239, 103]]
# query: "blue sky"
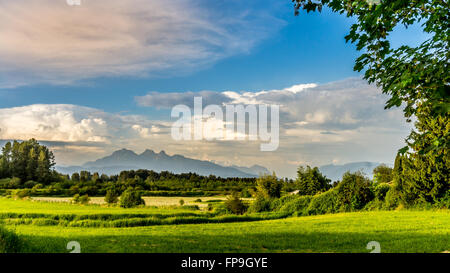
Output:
[[306, 48], [173, 48]]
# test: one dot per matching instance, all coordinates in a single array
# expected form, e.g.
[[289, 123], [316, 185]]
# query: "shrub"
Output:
[[198, 200], [354, 191], [269, 186], [36, 188], [131, 198], [191, 207], [235, 204], [14, 183], [382, 174], [111, 197], [278, 203], [381, 191], [444, 202], [23, 193], [81, 199], [9, 241], [181, 202], [392, 199], [245, 193], [311, 181], [297, 205], [260, 204], [322, 203], [30, 184]]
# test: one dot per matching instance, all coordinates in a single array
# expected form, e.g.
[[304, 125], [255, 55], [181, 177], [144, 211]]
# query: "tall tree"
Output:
[[27, 160], [416, 77], [382, 174], [311, 181]]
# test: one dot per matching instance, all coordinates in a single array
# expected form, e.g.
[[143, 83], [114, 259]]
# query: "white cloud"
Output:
[[71, 123], [53, 123], [146, 132], [343, 121], [319, 123], [49, 41]]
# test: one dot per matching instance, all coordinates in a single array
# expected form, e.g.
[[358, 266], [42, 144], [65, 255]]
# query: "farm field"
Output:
[[158, 201], [48, 227]]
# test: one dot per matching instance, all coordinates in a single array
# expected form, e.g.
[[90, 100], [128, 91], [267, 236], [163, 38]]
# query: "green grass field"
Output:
[[396, 231], [158, 201]]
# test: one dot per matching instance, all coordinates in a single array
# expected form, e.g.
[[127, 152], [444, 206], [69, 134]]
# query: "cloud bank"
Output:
[[49, 41], [337, 122]]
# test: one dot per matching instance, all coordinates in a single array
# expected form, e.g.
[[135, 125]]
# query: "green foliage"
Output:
[[30, 184], [245, 193], [23, 193], [181, 202], [111, 197], [131, 198], [311, 181], [27, 160], [15, 183], [293, 204], [424, 177], [416, 77], [354, 191], [81, 199], [444, 202], [9, 241], [260, 204], [75, 177], [323, 203], [381, 190], [148, 182], [268, 186], [235, 204], [382, 174]]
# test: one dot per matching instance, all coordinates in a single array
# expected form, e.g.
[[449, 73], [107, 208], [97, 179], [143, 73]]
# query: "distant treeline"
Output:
[[29, 165]]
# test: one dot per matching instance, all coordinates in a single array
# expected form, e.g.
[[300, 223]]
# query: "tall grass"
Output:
[[9, 241]]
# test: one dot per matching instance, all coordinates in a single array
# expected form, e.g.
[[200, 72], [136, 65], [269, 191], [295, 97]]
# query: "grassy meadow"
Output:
[[158, 201], [49, 226]]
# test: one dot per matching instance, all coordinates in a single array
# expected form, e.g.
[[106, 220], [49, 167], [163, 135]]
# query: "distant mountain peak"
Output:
[[123, 151], [335, 172], [148, 152], [128, 160]]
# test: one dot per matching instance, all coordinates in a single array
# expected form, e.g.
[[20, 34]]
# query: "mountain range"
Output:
[[128, 160], [335, 172]]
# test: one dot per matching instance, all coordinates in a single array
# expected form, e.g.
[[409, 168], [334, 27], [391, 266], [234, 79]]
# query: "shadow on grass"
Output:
[[295, 242]]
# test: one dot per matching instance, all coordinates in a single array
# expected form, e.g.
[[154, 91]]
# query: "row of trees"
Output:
[[412, 181]]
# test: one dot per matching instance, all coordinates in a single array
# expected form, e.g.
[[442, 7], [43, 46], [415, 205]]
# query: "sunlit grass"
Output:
[[396, 231]]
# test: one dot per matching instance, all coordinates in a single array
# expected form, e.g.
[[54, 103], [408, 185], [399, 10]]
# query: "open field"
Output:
[[158, 201], [396, 231]]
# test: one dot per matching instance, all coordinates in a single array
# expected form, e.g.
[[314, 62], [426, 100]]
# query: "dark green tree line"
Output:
[[27, 160]]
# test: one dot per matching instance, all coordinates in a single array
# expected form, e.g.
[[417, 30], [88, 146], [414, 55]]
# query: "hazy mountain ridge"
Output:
[[128, 160], [335, 172]]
